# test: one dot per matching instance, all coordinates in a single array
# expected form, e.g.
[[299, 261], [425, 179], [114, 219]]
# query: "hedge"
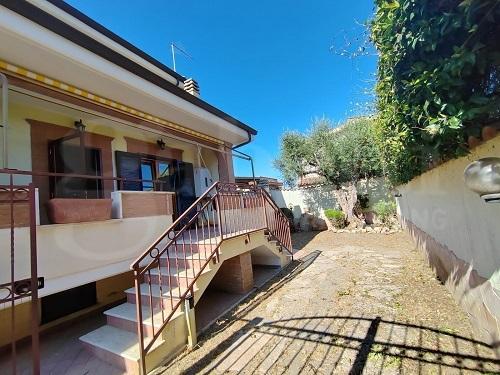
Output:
[[438, 79]]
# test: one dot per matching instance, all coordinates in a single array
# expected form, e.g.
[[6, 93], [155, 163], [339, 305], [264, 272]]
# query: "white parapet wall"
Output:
[[460, 234], [316, 199], [70, 255]]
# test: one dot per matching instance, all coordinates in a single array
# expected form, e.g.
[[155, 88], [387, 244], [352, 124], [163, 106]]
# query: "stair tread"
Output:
[[174, 271], [128, 311], [180, 255], [155, 290], [117, 341]]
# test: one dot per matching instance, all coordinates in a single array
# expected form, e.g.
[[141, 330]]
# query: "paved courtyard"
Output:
[[352, 303]]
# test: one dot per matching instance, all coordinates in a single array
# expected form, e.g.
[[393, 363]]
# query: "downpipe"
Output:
[[5, 115], [245, 156]]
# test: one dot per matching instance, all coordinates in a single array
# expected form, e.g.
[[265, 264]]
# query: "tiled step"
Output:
[[181, 261], [116, 346], [124, 316], [117, 343], [168, 297], [173, 277]]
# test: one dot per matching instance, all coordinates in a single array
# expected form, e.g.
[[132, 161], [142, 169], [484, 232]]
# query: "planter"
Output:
[[72, 210], [142, 203]]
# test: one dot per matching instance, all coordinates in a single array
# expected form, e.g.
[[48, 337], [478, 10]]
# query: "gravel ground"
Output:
[[352, 303]]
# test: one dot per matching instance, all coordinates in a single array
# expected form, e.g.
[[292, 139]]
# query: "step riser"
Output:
[[167, 281], [131, 326], [167, 302], [192, 247], [181, 264]]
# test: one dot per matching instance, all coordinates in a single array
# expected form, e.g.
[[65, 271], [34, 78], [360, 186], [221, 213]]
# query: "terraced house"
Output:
[[117, 189]]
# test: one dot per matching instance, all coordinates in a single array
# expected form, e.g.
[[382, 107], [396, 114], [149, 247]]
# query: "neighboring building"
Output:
[[268, 183], [82, 101], [311, 179]]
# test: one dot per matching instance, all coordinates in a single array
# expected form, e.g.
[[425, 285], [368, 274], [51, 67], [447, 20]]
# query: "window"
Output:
[[70, 156], [147, 173], [145, 167]]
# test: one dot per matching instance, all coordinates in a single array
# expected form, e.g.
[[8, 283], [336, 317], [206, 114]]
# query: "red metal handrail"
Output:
[[166, 273]]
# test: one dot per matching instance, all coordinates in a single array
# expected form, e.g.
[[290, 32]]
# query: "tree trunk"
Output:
[[347, 198]]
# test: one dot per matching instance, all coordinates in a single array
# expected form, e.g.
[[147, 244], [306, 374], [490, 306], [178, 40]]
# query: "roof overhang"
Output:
[[46, 39]]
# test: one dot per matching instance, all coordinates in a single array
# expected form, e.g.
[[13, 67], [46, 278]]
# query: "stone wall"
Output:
[[315, 200]]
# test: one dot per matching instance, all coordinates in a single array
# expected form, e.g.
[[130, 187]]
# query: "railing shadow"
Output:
[[272, 286], [350, 344], [367, 344]]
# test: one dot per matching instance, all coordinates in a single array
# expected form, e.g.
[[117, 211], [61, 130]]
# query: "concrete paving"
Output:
[[352, 304]]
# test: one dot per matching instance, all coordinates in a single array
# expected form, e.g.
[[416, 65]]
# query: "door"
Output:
[[163, 175]]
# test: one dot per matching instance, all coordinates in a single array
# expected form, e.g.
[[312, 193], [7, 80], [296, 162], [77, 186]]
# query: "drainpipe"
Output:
[[246, 155], [244, 143], [5, 114]]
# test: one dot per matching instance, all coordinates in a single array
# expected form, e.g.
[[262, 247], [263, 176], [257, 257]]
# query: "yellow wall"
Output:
[[109, 290], [19, 136], [22, 323], [112, 288]]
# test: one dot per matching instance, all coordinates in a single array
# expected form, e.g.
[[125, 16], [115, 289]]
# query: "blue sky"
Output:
[[267, 63]]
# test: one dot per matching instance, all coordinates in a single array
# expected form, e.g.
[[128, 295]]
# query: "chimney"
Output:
[[191, 86]]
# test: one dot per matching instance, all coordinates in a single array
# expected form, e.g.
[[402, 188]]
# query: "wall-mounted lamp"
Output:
[[80, 126], [483, 177], [161, 144], [396, 193]]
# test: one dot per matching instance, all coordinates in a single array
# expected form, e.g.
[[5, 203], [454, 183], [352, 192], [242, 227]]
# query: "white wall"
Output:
[[439, 203], [74, 254], [317, 199]]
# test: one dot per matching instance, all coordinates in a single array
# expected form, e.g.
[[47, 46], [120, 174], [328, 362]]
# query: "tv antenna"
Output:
[[175, 47]]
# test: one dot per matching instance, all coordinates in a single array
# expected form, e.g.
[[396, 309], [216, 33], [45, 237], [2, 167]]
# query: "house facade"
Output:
[[107, 154]]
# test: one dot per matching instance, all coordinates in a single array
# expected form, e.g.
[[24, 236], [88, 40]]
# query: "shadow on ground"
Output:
[[349, 343], [346, 344], [301, 239], [234, 316]]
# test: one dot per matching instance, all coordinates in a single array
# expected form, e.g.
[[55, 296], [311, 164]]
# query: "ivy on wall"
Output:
[[438, 79]]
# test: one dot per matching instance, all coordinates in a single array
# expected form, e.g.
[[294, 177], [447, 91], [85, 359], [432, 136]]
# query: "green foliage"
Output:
[[385, 210], [336, 217], [341, 155], [438, 79]]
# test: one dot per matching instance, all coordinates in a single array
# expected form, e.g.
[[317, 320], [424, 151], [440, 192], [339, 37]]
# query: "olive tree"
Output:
[[342, 155]]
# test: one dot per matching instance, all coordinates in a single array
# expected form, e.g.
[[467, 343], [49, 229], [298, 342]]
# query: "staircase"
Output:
[[172, 274]]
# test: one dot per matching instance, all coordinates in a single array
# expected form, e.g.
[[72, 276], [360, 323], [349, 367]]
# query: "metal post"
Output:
[[12, 277], [219, 212], [35, 342], [140, 332], [5, 117], [190, 320]]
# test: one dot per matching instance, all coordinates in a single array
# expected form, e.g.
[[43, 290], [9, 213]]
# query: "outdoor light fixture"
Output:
[[483, 177], [161, 144], [80, 126], [396, 193]]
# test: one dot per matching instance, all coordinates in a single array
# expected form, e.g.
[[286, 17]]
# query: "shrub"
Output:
[[385, 210], [336, 217], [289, 214]]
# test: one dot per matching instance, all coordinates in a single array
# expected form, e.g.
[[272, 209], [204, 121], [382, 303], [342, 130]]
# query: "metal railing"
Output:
[[166, 273]]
